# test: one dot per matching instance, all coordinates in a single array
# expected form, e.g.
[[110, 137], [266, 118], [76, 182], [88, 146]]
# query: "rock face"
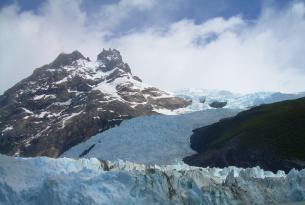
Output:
[[71, 99], [202, 99], [217, 104]]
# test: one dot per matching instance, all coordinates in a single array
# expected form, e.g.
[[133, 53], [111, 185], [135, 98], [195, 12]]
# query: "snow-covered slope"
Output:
[[44, 181], [150, 140], [202, 99]]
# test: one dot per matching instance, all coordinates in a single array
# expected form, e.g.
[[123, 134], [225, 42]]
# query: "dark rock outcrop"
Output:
[[202, 99], [111, 59], [67, 59], [71, 99], [217, 104]]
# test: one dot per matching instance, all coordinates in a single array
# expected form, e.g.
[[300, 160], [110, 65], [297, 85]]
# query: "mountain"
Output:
[[270, 136], [150, 140], [203, 99], [42, 181], [73, 98]]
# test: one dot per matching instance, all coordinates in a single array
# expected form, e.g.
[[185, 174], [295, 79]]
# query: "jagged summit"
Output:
[[112, 59], [72, 99], [109, 55], [64, 59]]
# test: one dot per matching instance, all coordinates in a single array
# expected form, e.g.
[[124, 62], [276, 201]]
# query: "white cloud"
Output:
[[30, 40], [112, 15], [219, 53]]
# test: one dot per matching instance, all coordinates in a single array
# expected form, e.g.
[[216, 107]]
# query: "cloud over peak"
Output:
[[218, 53]]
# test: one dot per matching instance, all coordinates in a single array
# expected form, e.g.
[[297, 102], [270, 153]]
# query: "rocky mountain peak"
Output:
[[64, 59], [72, 99], [109, 55], [112, 59]]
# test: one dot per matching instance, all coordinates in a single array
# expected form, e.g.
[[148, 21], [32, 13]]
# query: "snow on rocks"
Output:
[[31, 181], [8, 128]]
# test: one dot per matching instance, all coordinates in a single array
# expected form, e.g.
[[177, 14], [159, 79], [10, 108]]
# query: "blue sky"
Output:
[[171, 10], [238, 45]]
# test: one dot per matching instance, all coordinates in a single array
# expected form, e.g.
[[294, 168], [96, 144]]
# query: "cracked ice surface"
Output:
[[40, 180]]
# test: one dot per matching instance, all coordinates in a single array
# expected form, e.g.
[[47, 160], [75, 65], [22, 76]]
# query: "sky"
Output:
[[237, 45]]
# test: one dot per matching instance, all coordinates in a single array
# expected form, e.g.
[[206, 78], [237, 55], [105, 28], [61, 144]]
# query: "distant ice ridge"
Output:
[[156, 139], [42, 181], [234, 100]]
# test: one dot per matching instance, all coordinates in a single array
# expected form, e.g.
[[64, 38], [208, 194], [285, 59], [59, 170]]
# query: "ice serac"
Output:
[[39, 181], [73, 98]]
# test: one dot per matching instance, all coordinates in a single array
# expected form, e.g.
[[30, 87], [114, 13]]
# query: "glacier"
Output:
[[157, 139], [165, 139], [234, 100], [42, 181]]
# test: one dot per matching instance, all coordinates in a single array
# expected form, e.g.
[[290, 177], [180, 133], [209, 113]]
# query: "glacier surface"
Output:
[[234, 100], [156, 139], [42, 181]]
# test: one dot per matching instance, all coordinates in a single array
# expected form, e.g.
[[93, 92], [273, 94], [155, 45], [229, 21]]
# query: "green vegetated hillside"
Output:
[[271, 136]]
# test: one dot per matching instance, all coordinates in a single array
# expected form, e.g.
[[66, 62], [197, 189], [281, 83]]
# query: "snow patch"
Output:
[[65, 79], [72, 115], [39, 97], [8, 128], [27, 111], [66, 103]]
